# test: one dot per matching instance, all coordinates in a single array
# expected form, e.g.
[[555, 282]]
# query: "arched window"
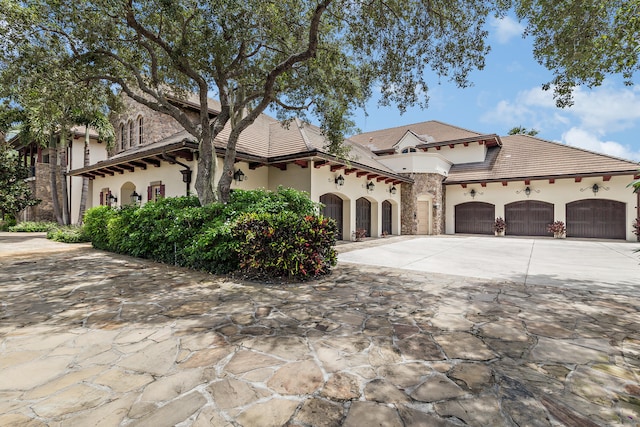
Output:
[[131, 137], [140, 130], [408, 150], [122, 136]]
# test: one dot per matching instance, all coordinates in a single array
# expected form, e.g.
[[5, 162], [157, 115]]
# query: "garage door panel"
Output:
[[596, 218], [528, 217], [475, 218]]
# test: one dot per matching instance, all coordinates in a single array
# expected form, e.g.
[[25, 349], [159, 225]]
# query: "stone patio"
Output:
[[91, 338]]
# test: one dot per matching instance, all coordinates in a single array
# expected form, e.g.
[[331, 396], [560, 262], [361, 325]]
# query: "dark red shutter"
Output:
[[101, 198], [162, 190], [149, 194]]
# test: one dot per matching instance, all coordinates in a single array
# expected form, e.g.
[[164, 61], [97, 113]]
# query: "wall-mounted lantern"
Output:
[[371, 186], [135, 197], [393, 190], [239, 175], [112, 198], [527, 191], [473, 193], [339, 180], [595, 188]]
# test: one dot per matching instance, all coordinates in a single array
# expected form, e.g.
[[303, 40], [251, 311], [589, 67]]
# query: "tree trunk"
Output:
[[224, 185], [53, 160], [63, 177], [85, 180], [206, 171]]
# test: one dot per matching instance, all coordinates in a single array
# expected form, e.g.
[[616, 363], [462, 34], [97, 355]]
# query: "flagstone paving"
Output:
[[91, 338]]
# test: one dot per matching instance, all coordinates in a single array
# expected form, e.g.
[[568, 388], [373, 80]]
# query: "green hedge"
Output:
[[68, 234], [214, 237], [33, 226]]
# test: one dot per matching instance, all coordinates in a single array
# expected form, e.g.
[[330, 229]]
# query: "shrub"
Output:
[[6, 222], [499, 225], [95, 225], [557, 228], [214, 250], [636, 227], [33, 226], [285, 245], [68, 234]]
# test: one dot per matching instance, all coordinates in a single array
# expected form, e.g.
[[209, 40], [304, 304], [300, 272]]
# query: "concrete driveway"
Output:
[[542, 261]]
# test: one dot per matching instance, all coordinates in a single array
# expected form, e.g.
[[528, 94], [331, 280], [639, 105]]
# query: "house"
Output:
[[70, 156], [423, 178]]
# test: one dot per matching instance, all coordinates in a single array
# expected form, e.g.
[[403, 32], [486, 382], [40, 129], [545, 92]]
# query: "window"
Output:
[[122, 137], [155, 191], [131, 137], [409, 150], [140, 130]]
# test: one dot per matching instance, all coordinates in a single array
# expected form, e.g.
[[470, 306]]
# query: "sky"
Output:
[[508, 93]]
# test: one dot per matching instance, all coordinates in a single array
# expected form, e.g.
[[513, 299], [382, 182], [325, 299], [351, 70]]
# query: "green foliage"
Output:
[[68, 234], [96, 222], [212, 238], [7, 221], [33, 226], [521, 130], [285, 245], [15, 194]]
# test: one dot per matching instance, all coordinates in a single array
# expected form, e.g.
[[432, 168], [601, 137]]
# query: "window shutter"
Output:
[[101, 198], [162, 190], [149, 194]]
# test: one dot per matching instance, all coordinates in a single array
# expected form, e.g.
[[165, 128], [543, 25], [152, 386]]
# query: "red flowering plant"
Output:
[[499, 225], [557, 228], [636, 227]]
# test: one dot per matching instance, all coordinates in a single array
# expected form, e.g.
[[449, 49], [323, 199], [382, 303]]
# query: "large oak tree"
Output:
[[319, 57]]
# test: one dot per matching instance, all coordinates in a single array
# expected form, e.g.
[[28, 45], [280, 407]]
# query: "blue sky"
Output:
[[508, 93]]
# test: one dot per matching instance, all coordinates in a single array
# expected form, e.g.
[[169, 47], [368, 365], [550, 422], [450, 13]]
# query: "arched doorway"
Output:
[[528, 218], [363, 215], [125, 193], [475, 218], [387, 223], [333, 209], [596, 218]]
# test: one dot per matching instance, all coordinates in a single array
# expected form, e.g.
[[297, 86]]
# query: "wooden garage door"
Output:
[[528, 218], [475, 218], [363, 215], [386, 217], [598, 218], [333, 209]]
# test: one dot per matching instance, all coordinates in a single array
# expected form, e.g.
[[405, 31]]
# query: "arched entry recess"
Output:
[[363, 215], [333, 208], [125, 193]]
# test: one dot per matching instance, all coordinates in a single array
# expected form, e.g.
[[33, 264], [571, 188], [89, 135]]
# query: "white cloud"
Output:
[[607, 109], [506, 28], [582, 138]]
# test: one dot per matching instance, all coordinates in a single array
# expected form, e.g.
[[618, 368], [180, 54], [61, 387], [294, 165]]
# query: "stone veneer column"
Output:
[[424, 184]]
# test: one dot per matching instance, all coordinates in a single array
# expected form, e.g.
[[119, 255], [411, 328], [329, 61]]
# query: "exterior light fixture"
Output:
[[238, 175], [339, 181], [595, 188], [473, 193], [527, 191], [112, 198], [393, 190], [135, 197], [370, 186]]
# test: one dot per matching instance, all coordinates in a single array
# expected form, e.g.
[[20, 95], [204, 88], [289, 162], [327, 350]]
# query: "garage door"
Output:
[[333, 209], [475, 218], [598, 218], [528, 218]]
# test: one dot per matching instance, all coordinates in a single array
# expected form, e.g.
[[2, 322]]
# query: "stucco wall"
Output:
[[419, 162], [472, 153], [560, 193]]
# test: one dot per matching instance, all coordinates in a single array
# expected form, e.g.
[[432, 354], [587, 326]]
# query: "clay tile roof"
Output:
[[527, 157], [431, 131]]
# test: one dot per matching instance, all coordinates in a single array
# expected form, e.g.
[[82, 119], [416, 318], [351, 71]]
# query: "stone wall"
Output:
[[425, 184], [41, 189], [156, 126]]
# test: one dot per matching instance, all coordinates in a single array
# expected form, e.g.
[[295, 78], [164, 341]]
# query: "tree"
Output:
[[100, 122], [582, 42], [15, 194], [521, 130], [296, 56], [303, 57]]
